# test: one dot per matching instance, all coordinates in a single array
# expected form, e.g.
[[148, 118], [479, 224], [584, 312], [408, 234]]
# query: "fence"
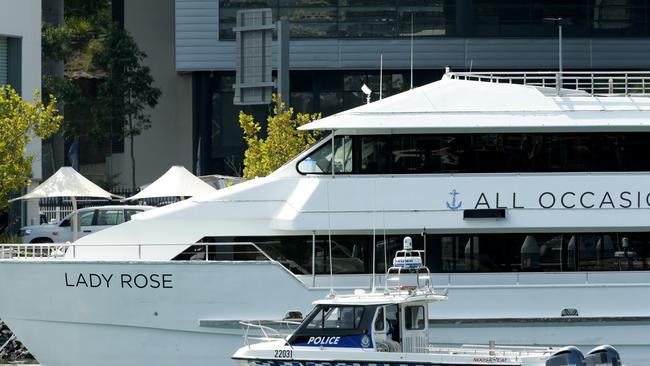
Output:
[[59, 207]]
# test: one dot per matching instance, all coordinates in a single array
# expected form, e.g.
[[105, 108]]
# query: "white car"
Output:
[[91, 219]]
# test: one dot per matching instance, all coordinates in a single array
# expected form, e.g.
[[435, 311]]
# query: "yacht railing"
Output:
[[267, 333], [596, 83], [203, 251]]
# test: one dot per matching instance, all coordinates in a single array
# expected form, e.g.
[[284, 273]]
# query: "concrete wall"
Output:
[[169, 140]]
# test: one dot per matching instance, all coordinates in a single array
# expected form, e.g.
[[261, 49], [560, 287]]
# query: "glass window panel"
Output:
[[414, 317], [349, 254], [302, 102], [308, 3], [330, 103], [109, 217], [293, 252], [86, 218], [374, 155]]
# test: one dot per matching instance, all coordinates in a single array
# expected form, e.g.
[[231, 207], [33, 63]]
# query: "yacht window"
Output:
[[320, 160], [414, 317], [374, 155], [337, 317]]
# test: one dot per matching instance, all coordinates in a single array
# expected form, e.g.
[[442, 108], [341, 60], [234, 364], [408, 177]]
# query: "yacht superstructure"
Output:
[[530, 202]]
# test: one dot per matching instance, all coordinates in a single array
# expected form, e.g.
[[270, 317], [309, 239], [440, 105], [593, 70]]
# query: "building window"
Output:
[[439, 18]]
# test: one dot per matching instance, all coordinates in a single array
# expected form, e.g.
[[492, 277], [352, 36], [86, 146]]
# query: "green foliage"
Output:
[[55, 42], [18, 120], [284, 141], [127, 91], [9, 239]]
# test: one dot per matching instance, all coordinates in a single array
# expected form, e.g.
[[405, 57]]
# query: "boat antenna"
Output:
[[374, 240], [329, 239], [383, 219], [381, 73], [411, 50]]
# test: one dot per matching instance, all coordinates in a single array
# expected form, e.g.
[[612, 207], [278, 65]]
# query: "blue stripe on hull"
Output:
[[325, 363]]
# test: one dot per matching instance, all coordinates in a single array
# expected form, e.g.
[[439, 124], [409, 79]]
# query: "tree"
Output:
[[19, 121], [283, 142], [127, 90]]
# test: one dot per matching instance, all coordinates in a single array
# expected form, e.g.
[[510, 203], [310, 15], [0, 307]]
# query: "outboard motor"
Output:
[[566, 356], [603, 356]]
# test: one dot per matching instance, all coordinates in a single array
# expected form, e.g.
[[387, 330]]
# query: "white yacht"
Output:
[[531, 202]]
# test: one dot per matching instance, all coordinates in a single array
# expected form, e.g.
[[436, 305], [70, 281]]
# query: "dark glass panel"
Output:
[[350, 254], [330, 103], [308, 3], [374, 155]]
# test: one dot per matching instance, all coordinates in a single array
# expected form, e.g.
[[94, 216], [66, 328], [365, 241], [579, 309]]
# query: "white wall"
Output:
[[22, 18], [169, 141]]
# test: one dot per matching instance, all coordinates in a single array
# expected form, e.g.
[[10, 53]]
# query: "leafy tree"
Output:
[[127, 91], [283, 142], [19, 121]]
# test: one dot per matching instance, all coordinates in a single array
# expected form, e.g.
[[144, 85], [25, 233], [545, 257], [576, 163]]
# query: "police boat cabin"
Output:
[[390, 327]]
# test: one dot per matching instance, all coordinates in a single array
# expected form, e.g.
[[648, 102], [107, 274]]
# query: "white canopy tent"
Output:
[[176, 182], [67, 182]]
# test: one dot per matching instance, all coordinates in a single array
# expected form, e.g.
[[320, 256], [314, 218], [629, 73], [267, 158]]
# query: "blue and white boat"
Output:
[[390, 327]]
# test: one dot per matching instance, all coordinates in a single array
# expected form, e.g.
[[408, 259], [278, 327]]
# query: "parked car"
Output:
[[91, 219]]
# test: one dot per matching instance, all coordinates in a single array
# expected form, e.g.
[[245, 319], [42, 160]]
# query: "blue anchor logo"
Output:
[[454, 205]]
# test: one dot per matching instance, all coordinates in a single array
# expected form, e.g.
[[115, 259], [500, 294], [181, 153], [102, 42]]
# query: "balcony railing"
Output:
[[606, 83]]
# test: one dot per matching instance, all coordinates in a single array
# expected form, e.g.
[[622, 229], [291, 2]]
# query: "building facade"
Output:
[[336, 47], [20, 67]]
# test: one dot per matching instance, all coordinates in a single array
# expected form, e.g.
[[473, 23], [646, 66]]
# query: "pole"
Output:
[[283, 63], [411, 50], [381, 73], [559, 34], [75, 219]]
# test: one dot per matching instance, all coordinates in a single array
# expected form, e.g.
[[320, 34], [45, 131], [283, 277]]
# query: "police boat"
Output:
[[389, 327]]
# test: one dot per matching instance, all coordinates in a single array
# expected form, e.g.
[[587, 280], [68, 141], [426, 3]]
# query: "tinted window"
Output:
[[339, 317], [110, 217], [86, 218], [414, 317], [130, 212], [487, 153], [320, 161]]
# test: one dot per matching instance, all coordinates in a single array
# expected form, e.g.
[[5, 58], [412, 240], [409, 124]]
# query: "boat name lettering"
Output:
[[491, 359], [565, 200], [126, 280], [324, 340]]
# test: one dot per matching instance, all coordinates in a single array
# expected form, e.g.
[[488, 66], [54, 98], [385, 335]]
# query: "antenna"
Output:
[[374, 240], [329, 239], [411, 50], [381, 73]]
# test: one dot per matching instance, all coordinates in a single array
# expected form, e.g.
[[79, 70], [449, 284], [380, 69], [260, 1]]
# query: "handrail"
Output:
[[269, 334], [595, 83], [58, 250]]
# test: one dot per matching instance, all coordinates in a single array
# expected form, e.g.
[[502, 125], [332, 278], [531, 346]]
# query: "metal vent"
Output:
[[4, 63]]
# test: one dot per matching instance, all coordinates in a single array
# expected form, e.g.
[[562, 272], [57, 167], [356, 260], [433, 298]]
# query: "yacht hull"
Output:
[[75, 313]]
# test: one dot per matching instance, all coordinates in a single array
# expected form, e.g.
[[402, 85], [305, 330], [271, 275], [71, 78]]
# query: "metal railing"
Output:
[[596, 83], [267, 333], [237, 251]]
